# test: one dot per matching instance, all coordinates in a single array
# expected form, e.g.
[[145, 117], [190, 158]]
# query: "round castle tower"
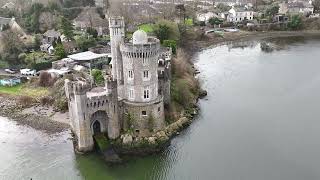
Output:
[[140, 86]]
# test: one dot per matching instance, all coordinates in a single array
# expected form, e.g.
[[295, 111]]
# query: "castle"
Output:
[[134, 95]]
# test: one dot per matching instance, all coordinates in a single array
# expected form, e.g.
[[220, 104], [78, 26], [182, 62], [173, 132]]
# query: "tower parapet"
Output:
[[77, 87]]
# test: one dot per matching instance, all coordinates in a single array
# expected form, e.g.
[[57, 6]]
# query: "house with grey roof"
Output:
[[50, 36], [10, 23], [89, 18]]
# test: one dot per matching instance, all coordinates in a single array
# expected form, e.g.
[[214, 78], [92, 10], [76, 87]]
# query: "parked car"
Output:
[[10, 71], [28, 72]]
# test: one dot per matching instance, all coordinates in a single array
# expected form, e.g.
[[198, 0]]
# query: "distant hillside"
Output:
[[24, 2]]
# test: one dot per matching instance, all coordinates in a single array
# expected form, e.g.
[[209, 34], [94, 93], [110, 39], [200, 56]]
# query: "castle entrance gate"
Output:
[[99, 122]]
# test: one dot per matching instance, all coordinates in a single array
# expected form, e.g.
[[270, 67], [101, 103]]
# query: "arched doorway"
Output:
[[99, 122], [96, 127]]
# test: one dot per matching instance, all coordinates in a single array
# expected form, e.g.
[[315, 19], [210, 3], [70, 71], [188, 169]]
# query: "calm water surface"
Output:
[[261, 121]]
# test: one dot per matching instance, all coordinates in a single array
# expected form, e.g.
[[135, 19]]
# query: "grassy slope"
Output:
[[23, 90], [148, 28]]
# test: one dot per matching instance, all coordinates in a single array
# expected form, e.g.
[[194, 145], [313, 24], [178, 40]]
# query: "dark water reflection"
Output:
[[260, 122]]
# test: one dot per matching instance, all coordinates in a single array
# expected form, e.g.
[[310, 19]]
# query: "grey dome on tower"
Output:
[[139, 37]]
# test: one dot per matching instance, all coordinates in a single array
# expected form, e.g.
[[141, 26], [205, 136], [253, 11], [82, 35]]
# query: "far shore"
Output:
[[211, 40]]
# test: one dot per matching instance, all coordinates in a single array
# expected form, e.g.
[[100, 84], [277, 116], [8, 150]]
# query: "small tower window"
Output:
[[144, 113], [131, 94], [146, 94], [130, 74], [146, 74]]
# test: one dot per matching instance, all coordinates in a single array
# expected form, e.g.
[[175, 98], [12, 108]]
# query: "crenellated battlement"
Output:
[[116, 22], [77, 87], [110, 83]]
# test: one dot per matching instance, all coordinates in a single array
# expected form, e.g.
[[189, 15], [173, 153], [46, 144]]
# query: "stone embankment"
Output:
[[11, 108], [129, 144]]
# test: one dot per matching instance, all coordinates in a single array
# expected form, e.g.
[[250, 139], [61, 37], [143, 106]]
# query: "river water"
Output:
[[260, 121]]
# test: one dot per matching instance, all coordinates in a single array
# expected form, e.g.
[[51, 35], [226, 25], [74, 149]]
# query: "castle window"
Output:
[[144, 113], [131, 94], [130, 74], [145, 74], [95, 104], [146, 94], [159, 109], [98, 103]]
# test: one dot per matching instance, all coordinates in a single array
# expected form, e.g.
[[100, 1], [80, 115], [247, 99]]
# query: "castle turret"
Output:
[[114, 122], [117, 34], [77, 100]]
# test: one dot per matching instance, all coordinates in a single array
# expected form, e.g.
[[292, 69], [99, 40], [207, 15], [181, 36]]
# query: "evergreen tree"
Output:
[[59, 51], [67, 28]]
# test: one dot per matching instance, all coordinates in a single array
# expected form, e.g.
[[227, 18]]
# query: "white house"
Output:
[[204, 17], [238, 14], [48, 48], [296, 7]]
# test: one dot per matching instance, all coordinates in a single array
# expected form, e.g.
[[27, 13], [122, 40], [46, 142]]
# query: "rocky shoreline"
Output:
[[11, 108]]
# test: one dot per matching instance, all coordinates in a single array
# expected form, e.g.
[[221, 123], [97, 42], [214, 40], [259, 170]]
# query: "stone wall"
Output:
[[153, 119]]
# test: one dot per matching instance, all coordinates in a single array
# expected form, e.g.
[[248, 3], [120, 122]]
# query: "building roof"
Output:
[[8, 5], [52, 33], [86, 56], [5, 21]]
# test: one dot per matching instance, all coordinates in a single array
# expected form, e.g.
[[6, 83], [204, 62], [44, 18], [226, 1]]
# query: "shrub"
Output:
[[59, 51], [61, 104], [97, 76], [42, 65], [46, 100], [25, 101], [165, 29], [46, 80], [295, 23], [85, 43], [172, 44], [180, 93], [215, 21], [181, 65], [93, 32]]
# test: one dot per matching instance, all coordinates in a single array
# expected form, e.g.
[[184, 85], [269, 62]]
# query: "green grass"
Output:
[[189, 22], [23, 90], [148, 28]]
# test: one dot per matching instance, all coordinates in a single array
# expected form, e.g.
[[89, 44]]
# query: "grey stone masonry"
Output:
[[138, 87]]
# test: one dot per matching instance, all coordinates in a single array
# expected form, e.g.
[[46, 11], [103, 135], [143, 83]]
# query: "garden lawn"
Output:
[[148, 28], [23, 90]]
